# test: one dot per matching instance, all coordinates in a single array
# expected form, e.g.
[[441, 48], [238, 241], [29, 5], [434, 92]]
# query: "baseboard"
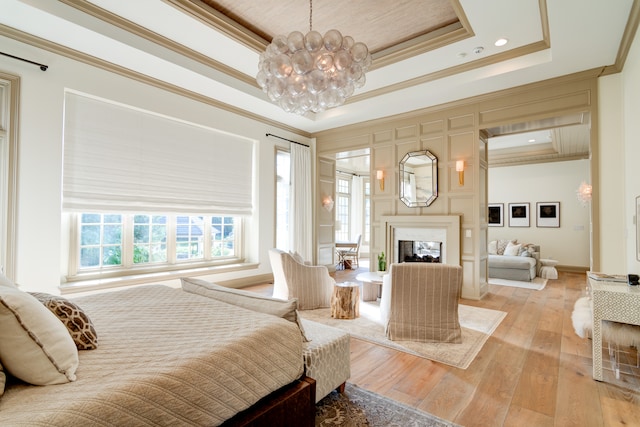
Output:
[[572, 269], [247, 281]]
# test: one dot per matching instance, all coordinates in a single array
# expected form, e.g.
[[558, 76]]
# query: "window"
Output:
[[366, 238], [343, 206], [122, 243], [146, 179]]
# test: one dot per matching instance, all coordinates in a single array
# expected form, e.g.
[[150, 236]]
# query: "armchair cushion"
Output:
[[420, 302]]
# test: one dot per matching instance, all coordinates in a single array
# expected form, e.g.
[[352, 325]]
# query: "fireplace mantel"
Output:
[[445, 228]]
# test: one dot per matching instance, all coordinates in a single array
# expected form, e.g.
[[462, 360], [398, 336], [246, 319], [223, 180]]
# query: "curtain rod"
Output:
[[347, 173], [295, 142], [42, 66]]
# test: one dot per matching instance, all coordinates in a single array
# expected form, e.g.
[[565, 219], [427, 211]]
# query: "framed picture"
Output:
[[548, 214], [495, 215], [518, 214]]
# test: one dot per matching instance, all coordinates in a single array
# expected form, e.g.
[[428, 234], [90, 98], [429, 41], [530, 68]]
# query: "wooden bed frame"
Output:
[[293, 405]]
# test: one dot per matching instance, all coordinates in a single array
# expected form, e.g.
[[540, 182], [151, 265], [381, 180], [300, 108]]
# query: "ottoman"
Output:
[[326, 357]]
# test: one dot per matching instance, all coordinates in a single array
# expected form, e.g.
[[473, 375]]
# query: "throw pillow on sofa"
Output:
[[502, 245], [512, 249]]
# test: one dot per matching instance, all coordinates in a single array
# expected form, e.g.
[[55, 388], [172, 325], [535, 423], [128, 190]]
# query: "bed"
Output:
[[166, 357]]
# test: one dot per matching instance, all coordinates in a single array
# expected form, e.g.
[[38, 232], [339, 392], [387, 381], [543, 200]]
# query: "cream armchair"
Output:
[[419, 302], [292, 278]]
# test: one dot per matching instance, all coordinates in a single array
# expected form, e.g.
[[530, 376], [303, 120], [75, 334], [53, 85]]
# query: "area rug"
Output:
[[537, 283], [357, 407], [477, 325]]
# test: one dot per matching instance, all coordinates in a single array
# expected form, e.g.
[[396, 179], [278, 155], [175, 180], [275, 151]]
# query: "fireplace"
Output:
[[419, 251], [442, 229]]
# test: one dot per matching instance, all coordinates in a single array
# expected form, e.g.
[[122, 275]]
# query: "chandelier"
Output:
[[310, 72]]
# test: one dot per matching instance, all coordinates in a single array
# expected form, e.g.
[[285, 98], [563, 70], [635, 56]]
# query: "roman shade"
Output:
[[121, 159]]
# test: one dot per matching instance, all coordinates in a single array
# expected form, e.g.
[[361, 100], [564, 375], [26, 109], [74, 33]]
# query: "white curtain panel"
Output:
[[357, 207], [301, 220]]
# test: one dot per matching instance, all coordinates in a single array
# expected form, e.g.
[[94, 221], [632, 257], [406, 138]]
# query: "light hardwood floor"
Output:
[[533, 371]]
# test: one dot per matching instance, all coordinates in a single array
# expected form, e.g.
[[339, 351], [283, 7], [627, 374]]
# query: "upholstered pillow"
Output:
[[493, 247], [34, 345], [73, 318], [282, 308], [527, 250], [502, 245], [512, 249]]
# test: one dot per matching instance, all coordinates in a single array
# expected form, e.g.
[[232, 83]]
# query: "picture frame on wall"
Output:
[[518, 214], [495, 215], [548, 214]]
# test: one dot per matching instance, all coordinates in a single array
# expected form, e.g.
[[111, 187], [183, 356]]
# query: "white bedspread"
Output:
[[165, 357]]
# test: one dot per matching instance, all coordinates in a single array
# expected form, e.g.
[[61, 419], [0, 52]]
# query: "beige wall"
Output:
[[611, 188], [453, 132], [546, 182]]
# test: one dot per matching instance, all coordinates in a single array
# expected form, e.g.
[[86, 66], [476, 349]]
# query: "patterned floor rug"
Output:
[[358, 407], [477, 325]]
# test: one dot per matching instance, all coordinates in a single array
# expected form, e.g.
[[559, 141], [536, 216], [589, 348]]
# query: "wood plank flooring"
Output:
[[533, 371]]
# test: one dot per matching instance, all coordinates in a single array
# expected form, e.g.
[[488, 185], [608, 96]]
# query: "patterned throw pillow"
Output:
[[502, 245], [73, 317]]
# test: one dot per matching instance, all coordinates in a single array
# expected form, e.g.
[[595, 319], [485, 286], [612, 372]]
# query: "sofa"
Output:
[[511, 260]]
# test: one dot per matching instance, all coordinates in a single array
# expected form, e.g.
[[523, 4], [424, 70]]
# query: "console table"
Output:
[[614, 301]]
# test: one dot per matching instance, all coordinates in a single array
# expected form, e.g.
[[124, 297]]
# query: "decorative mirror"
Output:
[[418, 178]]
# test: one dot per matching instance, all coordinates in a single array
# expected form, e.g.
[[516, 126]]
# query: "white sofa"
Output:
[[513, 261]]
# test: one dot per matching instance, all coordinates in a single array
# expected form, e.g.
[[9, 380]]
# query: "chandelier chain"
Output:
[[310, 15]]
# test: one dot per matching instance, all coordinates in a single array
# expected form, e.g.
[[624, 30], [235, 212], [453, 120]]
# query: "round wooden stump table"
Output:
[[345, 301]]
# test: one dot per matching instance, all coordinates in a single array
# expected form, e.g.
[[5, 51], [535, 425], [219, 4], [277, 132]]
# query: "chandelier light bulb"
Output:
[[312, 72]]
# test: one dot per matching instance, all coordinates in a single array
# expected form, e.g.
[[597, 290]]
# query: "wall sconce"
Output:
[[584, 193], [380, 177], [460, 170], [327, 203]]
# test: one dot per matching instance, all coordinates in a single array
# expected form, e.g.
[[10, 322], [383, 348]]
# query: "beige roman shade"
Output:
[[121, 159]]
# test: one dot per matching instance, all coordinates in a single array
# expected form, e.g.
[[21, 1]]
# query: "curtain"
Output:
[[301, 215], [120, 159], [357, 207]]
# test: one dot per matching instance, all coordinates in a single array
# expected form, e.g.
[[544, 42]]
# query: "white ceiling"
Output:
[[547, 38]]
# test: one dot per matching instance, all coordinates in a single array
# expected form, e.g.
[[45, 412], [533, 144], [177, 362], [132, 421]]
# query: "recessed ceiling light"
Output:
[[532, 140], [501, 42]]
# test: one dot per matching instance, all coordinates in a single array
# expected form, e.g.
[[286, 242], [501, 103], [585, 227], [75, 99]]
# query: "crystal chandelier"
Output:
[[310, 72]]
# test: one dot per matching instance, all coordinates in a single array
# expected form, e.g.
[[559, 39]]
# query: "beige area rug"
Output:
[[537, 283], [477, 325], [358, 407]]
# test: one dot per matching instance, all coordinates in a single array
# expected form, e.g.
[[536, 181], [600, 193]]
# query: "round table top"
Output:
[[348, 284], [371, 276]]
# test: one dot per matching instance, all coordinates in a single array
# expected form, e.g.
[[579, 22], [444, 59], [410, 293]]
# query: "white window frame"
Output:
[[128, 268]]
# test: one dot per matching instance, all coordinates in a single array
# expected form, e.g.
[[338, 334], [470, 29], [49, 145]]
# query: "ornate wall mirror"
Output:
[[418, 178]]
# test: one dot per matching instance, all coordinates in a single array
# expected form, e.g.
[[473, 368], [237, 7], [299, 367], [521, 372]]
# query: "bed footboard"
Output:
[[293, 405]]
